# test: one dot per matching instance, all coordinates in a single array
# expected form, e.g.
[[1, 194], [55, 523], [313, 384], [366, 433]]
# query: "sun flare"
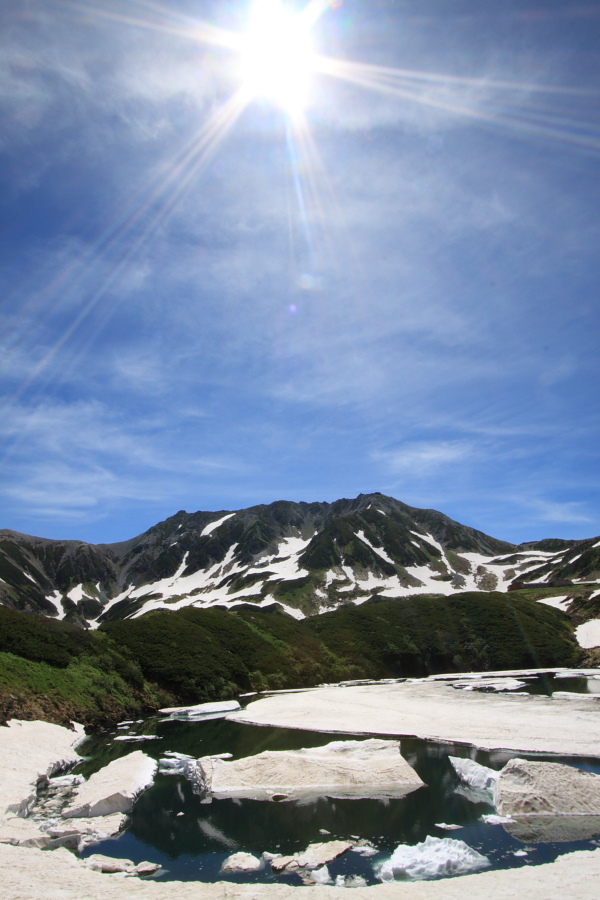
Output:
[[277, 56]]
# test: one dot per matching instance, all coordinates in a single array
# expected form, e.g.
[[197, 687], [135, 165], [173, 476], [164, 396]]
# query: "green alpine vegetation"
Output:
[[56, 671], [61, 673]]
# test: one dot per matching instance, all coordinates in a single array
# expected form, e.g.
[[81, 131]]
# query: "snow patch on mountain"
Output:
[[55, 599], [378, 550], [557, 602], [27, 575], [588, 634], [429, 585], [285, 565], [212, 526]]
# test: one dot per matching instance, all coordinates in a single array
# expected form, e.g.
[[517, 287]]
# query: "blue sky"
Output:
[[400, 295]]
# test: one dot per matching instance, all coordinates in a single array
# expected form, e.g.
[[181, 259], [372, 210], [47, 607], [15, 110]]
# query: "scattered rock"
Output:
[[114, 788], [279, 863], [242, 862], [371, 768], [110, 866], [315, 856], [146, 868], [107, 864]]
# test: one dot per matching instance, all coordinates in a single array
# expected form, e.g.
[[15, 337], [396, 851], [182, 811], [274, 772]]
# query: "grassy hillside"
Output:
[[59, 672], [205, 654], [54, 671], [462, 632]]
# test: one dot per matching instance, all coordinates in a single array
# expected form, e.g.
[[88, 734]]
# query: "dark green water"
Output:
[[548, 684], [190, 839]]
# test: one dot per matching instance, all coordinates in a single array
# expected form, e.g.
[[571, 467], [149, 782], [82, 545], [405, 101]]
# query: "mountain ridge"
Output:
[[306, 557]]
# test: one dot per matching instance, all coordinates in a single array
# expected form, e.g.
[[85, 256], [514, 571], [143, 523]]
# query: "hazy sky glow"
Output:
[[377, 269]]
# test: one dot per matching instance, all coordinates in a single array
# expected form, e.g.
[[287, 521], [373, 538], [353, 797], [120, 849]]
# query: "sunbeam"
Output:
[[435, 91], [160, 200], [164, 21]]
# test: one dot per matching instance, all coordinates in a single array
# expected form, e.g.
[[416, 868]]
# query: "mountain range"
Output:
[[308, 558]]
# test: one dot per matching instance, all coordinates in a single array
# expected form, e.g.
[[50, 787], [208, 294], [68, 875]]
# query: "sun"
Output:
[[277, 56]]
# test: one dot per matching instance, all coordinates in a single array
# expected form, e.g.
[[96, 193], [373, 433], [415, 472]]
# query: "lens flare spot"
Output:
[[277, 56]]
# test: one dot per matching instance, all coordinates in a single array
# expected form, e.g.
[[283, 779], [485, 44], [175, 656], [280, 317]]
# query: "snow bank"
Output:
[[557, 602], [489, 684], [588, 634], [201, 710], [433, 858], [479, 779], [114, 788], [528, 787], [28, 751], [321, 876], [173, 763], [371, 768]]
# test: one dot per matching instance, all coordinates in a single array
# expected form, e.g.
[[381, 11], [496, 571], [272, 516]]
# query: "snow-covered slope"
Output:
[[308, 558]]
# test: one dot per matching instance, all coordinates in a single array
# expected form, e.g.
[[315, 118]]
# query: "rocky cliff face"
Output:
[[308, 557]]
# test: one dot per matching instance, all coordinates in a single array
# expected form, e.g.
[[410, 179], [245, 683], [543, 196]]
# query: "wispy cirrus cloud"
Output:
[[556, 511], [423, 458]]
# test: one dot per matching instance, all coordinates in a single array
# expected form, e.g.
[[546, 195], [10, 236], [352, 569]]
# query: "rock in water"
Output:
[[110, 866], [114, 788], [531, 788], [107, 864], [314, 857], [242, 862], [479, 779], [433, 858], [371, 768]]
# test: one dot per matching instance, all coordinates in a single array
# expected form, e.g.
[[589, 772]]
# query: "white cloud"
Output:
[[64, 460], [423, 458], [568, 512]]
